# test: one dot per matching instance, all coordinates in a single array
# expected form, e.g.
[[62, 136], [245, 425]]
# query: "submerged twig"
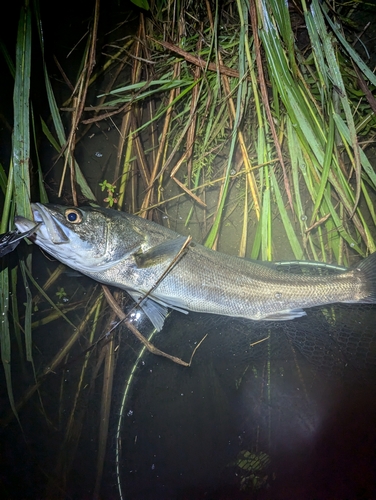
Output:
[[198, 61], [123, 318], [169, 268]]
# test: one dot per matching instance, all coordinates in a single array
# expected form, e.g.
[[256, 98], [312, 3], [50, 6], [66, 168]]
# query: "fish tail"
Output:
[[368, 268]]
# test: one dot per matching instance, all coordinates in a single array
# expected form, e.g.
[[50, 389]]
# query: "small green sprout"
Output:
[[110, 188], [61, 293]]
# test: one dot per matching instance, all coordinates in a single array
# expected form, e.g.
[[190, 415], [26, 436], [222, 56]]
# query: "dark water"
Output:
[[297, 407], [265, 411]]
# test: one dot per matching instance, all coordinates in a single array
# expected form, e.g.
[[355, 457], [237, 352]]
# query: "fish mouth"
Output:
[[48, 229]]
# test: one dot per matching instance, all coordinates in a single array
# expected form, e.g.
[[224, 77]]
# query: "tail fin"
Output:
[[368, 268]]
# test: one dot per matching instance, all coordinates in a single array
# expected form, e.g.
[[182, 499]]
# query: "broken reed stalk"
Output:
[[124, 317]]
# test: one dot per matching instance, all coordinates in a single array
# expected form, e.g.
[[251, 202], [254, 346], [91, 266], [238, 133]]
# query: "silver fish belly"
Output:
[[134, 254]]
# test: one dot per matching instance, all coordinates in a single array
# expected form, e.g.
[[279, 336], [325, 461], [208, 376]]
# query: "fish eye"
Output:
[[73, 215]]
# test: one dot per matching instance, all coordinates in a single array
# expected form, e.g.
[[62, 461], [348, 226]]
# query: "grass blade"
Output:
[[21, 132]]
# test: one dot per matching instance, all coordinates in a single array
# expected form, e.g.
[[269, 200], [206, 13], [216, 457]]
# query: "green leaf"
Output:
[[21, 131], [143, 4], [28, 310], [345, 133], [5, 337], [3, 179], [325, 169], [295, 245], [355, 57]]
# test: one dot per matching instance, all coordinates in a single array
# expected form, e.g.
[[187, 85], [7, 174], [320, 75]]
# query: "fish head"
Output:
[[86, 239]]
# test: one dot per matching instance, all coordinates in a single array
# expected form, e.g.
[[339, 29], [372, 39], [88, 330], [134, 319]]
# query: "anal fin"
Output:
[[286, 315], [155, 312]]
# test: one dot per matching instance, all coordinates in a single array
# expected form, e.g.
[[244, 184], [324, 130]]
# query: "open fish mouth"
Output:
[[49, 228], [55, 231]]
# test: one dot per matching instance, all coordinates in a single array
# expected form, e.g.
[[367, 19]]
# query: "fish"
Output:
[[10, 240], [150, 262]]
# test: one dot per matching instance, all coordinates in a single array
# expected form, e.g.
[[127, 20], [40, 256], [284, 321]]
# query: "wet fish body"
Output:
[[132, 253]]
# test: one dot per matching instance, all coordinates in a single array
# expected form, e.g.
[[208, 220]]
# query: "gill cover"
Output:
[[86, 239]]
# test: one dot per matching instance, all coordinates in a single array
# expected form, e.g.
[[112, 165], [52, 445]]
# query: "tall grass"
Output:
[[234, 99]]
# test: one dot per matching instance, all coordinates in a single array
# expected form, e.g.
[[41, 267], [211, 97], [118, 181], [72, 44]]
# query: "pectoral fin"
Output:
[[165, 252]]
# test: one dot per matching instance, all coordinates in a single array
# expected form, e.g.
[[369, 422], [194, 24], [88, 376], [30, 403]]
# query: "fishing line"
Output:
[[145, 296]]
